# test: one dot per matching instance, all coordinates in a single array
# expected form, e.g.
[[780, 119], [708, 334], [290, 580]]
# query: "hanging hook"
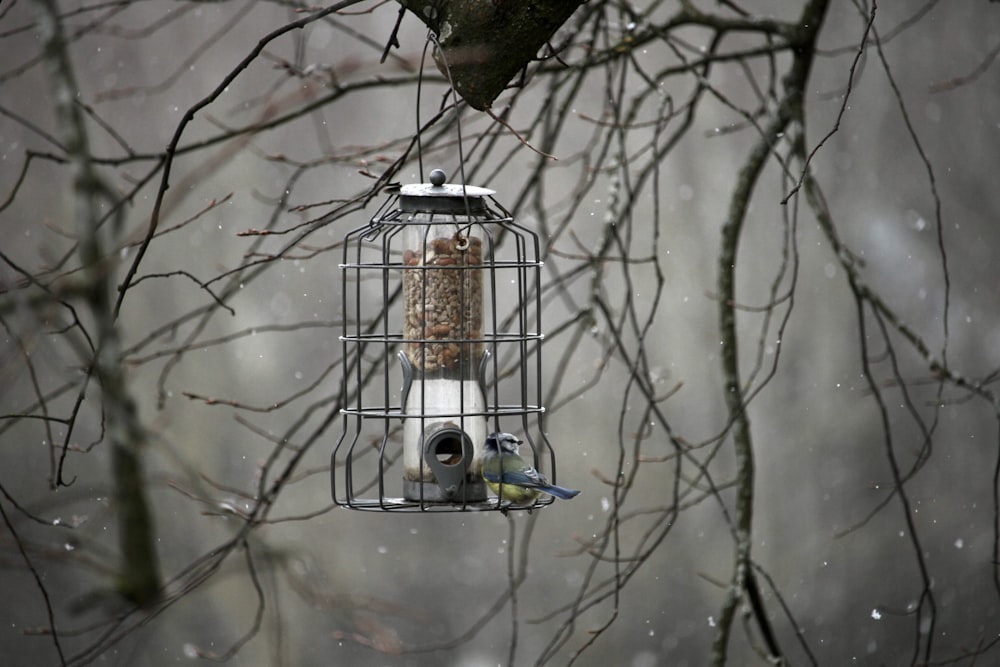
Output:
[[420, 87], [458, 116]]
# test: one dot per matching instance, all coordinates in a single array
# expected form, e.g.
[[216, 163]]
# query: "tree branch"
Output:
[[789, 109]]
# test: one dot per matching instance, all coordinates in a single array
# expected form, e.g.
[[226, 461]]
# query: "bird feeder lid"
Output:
[[440, 197]]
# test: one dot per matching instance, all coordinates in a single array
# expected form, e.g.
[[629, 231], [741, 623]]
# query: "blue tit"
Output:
[[510, 476]]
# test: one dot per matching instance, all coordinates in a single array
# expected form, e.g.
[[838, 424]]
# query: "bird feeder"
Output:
[[440, 346]]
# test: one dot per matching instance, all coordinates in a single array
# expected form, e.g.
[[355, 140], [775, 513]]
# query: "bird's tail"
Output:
[[560, 491]]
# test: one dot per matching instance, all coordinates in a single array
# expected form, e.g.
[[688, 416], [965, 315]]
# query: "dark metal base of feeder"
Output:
[[404, 505], [431, 492]]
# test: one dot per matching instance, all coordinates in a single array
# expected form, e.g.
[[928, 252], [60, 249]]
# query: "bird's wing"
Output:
[[527, 477]]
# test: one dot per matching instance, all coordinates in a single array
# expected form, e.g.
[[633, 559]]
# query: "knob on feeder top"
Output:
[[438, 177]]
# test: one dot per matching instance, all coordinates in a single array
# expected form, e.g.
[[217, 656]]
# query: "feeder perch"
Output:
[[440, 346]]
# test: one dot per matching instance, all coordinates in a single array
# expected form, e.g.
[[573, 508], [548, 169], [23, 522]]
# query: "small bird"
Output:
[[510, 476]]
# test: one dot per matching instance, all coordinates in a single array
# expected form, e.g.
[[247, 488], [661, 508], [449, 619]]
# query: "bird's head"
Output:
[[497, 443]]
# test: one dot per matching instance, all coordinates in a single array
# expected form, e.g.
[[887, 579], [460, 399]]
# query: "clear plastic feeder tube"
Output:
[[445, 424]]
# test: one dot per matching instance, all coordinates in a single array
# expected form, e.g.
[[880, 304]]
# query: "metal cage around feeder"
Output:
[[441, 345]]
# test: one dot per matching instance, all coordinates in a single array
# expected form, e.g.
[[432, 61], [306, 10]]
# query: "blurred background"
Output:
[[866, 325]]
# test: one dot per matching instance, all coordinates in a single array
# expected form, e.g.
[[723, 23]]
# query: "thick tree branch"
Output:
[[485, 43]]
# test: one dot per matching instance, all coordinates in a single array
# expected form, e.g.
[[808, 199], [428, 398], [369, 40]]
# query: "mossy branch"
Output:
[[486, 43], [139, 577]]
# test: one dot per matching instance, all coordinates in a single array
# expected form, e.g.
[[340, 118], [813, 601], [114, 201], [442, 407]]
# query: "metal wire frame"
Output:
[[365, 463]]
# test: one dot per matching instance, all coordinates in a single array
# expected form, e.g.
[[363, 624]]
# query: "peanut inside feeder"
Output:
[[443, 303]]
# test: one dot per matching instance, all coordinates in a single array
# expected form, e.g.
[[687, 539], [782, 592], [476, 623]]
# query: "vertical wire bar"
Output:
[[537, 282], [384, 275], [495, 360], [343, 357], [464, 274], [349, 462], [522, 323], [391, 236]]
